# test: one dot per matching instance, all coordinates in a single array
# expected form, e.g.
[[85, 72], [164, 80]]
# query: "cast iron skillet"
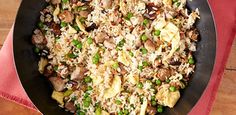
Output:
[[39, 90]]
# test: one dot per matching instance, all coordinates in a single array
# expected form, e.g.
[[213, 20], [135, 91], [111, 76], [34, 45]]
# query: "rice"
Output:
[[117, 57]]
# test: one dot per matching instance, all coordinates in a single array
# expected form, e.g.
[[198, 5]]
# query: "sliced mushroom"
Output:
[[151, 11], [100, 37], [58, 83], [78, 73], [151, 110], [54, 2], [38, 38], [106, 4], [56, 28], [150, 46], [163, 74], [109, 44], [83, 13], [70, 107], [66, 16]]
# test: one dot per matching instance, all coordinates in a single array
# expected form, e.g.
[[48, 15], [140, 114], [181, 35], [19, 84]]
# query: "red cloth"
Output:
[[224, 12]]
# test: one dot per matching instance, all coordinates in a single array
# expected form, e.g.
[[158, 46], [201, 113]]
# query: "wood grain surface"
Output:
[[225, 102]]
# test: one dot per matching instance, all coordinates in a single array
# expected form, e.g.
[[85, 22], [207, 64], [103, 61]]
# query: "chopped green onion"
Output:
[[72, 55], [82, 20], [145, 63], [167, 80], [178, 4], [140, 68], [125, 111], [98, 111], [129, 15], [118, 102], [67, 93], [89, 40], [115, 65], [153, 98], [89, 88], [80, 113], [120, 113], [157, 32], [81, 8], [86, 103], [144, 50], [65, 1], [88, 99], [88, 79], [191, 60], [121, 43], [86, 95], [145, 22], [158, 82], [144, 37], [73, 98], [175, 1], [40, 24], [96, 58], [76, 28], [172, 88], [63, 24], [154, 103], [131, 53], [140, 85]]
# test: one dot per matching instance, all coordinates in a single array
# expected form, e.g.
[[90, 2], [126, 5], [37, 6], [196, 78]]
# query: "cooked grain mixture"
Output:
[[116, 56]]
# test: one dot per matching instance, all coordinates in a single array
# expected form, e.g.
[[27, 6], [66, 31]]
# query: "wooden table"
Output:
[[225, 102]]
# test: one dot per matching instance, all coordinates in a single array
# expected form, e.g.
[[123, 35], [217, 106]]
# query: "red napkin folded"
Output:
[[225, 17]]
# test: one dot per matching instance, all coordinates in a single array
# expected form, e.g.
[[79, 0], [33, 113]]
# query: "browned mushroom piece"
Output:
[[78, 73], [106, 3], [150, 46], [54, 2], [163, 74], [193, 34], [84, 13], [109, 44], [123, 71], [151, 110], [74, 1], [101, 37], [48, 71], [66, 16], [157, 63], [38, 38], [151, 11], [55, 28], [58, 83], [70, 107]]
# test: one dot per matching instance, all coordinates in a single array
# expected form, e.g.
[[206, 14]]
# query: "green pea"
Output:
[[96, 58], [75, 42], [80, 113], [144, 50], [131, 53], [63, 24], [159, 109], [79, 45], [36, 50], [154, 103], [89, 88], [191, 60], [65, 1], [158, 82], [86, 95], [77, 106], [67, 93], [140, 85], [172, 88], [153, 98], [88, 79], [129, 15], [145, 63], [89, 40], [118, 102], [144, 37], [157, 32], [88, 99], [40, 24], [115, 65], [86, 103], [120, 113], [145, 22]]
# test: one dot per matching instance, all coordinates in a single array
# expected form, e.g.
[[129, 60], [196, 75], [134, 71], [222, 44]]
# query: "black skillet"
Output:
[[39, 90]]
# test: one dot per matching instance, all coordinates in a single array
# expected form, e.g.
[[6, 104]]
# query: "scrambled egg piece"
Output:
[[71, 30], [166, 97], [114, 89], [42, 63], [124, 58], [58, 96]]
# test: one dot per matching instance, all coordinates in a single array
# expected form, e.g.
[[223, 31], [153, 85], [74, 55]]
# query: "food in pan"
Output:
[[116, 56]]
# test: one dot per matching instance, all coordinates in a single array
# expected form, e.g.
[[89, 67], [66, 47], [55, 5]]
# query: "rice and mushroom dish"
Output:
[[116, 57]]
